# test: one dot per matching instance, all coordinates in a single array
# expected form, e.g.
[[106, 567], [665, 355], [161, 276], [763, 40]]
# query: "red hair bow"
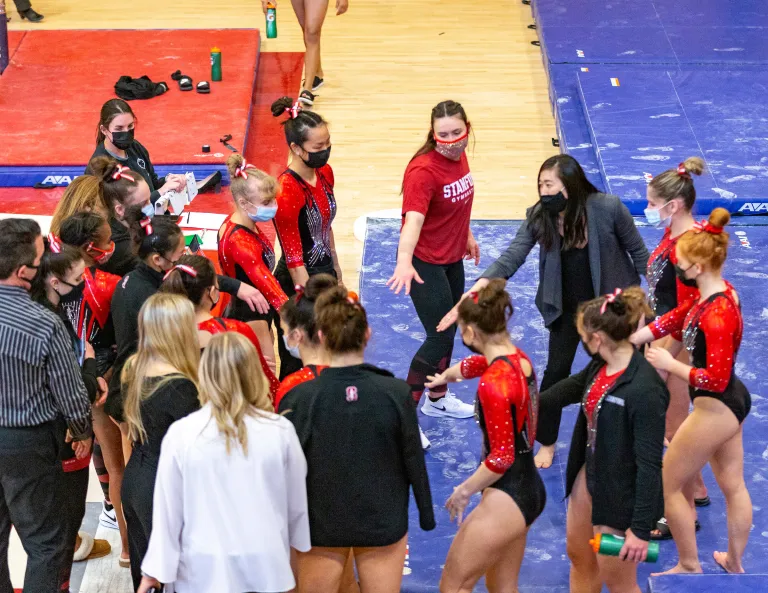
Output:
[[352, 298], [182, 268], [54, 243], [610, 298], [146, 224], [120, 173], [704, 226], [474, 296], [299, 292], [293, 112], [241, 170], [681, 170]]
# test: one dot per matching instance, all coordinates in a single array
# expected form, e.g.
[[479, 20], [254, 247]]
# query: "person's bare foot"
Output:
[[678, 569], [722, 559], [543, 459]]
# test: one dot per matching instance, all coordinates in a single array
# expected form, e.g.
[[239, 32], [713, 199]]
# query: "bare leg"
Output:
[[619, 576], [544, 456], [348, 579], [266, 341], [111, 442], [585, 575], [321, 569], [315, 11], [381, 569], [700, 436], [503, 576], [490, 532], [728, 466]]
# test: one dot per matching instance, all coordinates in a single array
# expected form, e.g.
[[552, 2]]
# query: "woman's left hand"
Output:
[[341, 6], [660, 358], [148, 583], [457, 503], [473, 250], [634, 549], [253, 297]]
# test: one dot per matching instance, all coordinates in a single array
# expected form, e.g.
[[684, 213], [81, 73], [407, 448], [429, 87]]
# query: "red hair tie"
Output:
[[681, 170], [610, 298], [146, 224], [54, 243], [299, 292], [704, 226], [353, 299], [474, 296], [241, 170], [293, 112], [120, 173], [182, 268]]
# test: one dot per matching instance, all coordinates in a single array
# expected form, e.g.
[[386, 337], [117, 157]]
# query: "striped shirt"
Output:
[[39, 376]]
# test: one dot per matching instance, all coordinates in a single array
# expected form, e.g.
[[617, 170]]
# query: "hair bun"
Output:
[[233, 162], [279, 106], [694, 165], [719, 217], [103, 167]]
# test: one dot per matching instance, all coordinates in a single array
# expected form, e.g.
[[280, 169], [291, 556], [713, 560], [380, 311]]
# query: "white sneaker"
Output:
[[449, 406], [108, 517], [425, 444]]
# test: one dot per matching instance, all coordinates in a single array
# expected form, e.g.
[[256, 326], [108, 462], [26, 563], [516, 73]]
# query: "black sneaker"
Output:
[[307, 98], [317, 83]]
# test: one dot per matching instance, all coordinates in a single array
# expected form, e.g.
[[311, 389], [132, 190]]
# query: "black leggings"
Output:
[[74, 487], [137, 493], [442, 289], [563, 343]]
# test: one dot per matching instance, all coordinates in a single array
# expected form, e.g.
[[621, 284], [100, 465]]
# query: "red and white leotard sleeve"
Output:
[[722, 326]]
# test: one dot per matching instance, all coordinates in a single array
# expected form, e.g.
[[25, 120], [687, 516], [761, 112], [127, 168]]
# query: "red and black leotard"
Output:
[[711, 331], [665, 291], [507, 412], [309, 372], [247, 256], [303, 221], [88, 309], [217, 325]]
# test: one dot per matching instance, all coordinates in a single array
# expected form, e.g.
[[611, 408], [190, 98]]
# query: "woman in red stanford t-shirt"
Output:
[[435, 237]]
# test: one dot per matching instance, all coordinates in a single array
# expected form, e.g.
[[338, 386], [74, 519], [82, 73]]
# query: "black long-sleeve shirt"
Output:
[[629, 444], [136, 159], [358, 428]]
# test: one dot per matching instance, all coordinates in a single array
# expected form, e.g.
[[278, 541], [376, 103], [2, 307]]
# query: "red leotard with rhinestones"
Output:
[[217, 325], [247, 256], [601, 385], [711, 332], [309, 372], [665, 291], [304, 217], [507, 412]]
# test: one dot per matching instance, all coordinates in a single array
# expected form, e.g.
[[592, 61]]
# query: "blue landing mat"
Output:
[[642, 122], [722, 583], [454, 455]]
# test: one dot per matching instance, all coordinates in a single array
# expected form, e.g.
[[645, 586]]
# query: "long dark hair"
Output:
[[296, 128], [579, 188], [109, 111], [442, 109], [193, 287]]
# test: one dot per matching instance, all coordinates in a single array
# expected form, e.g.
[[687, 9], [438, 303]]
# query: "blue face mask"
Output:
[[263, 214], [292, 350], [653, 216], [148, 211]]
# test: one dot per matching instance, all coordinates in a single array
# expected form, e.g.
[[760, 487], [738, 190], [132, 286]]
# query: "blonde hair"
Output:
[[84, 194], [678, 183], [705, 247], [167, 333], [258, 182], [232, 382]]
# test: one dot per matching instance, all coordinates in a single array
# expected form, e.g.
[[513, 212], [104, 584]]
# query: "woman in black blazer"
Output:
[[589, 244], [613, 478]]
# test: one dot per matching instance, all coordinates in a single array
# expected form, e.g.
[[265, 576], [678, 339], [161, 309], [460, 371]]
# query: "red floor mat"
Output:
[[50, 100], [14, 40]]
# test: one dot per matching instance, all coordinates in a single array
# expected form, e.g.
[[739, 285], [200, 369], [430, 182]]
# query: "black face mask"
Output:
[[122, 140], [472, 349], [554, 204], [595, 357], [318, 159], [680, 273]]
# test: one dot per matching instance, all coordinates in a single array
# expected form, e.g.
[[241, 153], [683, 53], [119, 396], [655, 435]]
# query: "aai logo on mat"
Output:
[[57, 180], [755, 207]]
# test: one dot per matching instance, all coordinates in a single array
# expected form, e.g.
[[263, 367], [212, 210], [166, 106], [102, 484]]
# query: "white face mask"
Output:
[[653, 216], [292, 350]]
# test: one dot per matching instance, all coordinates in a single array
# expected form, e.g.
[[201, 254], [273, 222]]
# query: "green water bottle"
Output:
[[271, 20], [610, 545], [216, 64]]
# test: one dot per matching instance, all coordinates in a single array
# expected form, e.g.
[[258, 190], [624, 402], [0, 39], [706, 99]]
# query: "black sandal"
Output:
[[702, 502], [663, 528], [203, 87], [185, 82]]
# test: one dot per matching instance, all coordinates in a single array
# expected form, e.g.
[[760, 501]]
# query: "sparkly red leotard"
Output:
[[304, 217], [507, 412], [87, 308], [591, 404], [217, 325], [665, 291], [711, 332], [247, 256], [309, 372]]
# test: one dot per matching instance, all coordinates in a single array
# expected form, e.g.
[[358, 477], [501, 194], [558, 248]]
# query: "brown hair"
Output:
[[57, 262], [678, 183], [84, 194], [258, 180], [617, 317], [492, 309], [115, 191], [342, 319], [193, 287], [442, 109], [299, 310], [109, 111], [296, 128], [704, 246]]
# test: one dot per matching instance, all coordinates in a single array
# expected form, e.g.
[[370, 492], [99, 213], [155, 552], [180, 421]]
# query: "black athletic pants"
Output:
[[74, 492], [564, 340], [137, 492], [30, 500], [442, 289]]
